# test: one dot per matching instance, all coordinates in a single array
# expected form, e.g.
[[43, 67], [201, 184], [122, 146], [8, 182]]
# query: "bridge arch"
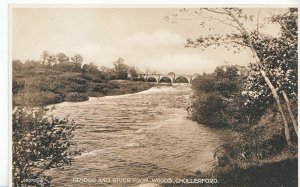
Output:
[[171, 78], [151, 79], [181, 78], [165, 79]]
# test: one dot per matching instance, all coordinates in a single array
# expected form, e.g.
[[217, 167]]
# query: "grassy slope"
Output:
[[50, 87]]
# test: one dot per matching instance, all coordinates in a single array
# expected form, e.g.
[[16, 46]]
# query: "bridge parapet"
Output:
[[172, 77]]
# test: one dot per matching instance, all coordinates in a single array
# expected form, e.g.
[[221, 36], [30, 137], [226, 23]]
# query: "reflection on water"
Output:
[[142, 135]]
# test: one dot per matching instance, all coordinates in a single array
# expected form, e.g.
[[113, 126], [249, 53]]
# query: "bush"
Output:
[[37, 84], [113, 85], [96, 87], [38, 145], [262, 140], [76, 97], [37, 99], [209, 109], [217, 98], [17, 85]]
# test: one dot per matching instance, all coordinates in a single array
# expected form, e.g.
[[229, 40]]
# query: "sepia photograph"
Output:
[[154, 96]]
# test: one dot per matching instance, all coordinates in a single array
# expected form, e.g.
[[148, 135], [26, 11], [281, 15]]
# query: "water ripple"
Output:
[[137, 135]]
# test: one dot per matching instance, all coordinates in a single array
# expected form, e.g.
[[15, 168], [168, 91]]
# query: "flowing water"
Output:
[[141, 135]]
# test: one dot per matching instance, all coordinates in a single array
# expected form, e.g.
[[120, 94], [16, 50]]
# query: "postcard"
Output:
[[154, 95]]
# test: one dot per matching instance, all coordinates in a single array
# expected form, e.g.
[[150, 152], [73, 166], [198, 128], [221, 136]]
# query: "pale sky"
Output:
[[101, 35]]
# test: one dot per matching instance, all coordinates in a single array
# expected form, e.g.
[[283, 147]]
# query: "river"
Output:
[[141, 135]]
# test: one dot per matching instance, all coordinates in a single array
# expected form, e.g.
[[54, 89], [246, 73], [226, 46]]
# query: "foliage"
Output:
[[90, 68], [217, 98], [36, 99], [62, 58], [58, 78], [133, 72], [76, 97], [39, 144], [121, 69], [277, 56], [77, 58], [280, 62], [273, 72], [262, 108]]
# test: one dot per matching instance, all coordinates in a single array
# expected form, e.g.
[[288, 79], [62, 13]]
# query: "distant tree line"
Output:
[[58, 78], [61, 62]]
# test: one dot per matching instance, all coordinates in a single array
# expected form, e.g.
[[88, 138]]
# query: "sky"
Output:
[[141, 36]]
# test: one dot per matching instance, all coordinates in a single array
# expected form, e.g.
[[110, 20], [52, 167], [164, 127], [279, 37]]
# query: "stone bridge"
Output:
[[172, 78]]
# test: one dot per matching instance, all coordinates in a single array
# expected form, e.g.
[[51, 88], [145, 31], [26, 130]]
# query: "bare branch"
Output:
[[215, 11], [282, 24], [223, 22], [228, 42]]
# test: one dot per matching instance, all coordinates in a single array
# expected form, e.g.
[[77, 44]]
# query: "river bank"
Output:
[[257, 149], [279, 170], [72, 92], [283, 173], [42, 85]]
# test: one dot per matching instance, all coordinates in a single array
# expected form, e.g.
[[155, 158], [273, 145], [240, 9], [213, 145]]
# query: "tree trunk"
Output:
[[277, 99], [263, 73], [243, 31], [288, 104]]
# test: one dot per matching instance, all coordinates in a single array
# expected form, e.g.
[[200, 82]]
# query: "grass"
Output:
[[51, 87]]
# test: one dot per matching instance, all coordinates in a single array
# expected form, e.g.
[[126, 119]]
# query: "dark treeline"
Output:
[[58, 78]]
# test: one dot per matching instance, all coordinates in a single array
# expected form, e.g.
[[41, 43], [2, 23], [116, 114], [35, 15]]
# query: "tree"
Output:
[[17, 65], [62, 58], [109, 73], [121, 69], [44, 57], [77, 58], [52, 60], [289, 26], [48, 59], [280, 62], [218, 101], [31, 65], [90, 68], [133, 72], [38, 145], [240, 37]]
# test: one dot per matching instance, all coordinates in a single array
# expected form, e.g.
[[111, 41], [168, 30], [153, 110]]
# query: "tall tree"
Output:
[[44, 57], [133, 71], [52, 60], [62, 58], [121, 68], [240, 36], [77, 58]]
